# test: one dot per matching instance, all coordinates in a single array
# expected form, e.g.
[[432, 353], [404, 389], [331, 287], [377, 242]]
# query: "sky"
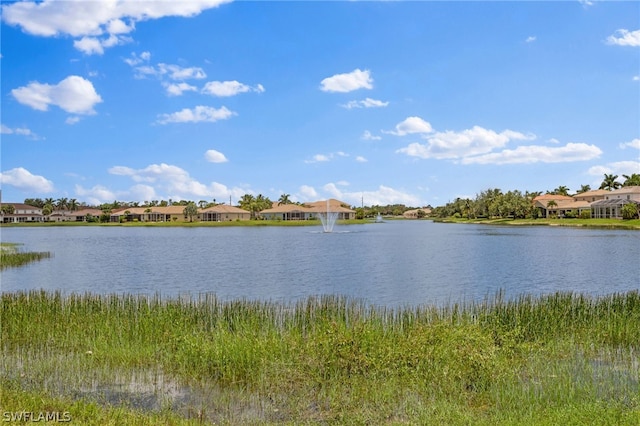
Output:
[[372, 103]]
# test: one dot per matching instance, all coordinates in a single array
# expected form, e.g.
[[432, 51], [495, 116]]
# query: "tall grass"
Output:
[[336, 359], [11, 257]]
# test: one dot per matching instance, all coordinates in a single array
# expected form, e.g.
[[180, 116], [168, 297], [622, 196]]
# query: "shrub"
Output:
[[630, 211]]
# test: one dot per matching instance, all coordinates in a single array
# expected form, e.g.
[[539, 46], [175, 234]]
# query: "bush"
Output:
[[630, 211], [585, 214]]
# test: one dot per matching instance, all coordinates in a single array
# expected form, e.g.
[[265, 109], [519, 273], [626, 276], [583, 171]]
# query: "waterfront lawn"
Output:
[[556, 359], [591, 223]]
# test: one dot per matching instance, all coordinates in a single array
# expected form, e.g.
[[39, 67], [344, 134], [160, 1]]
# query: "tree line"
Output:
[[519, 205]]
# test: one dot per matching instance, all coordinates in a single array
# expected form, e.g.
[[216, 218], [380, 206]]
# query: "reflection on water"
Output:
[[398, 263]]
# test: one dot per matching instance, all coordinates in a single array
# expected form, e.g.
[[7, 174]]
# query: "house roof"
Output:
[[287, 208], [549, 197], [334, 206], [21, 206], [595, 193], [627, 190], [143, 210], [224, 208]]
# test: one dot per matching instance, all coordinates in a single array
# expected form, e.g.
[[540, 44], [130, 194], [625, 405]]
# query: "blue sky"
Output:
[[375, 102]]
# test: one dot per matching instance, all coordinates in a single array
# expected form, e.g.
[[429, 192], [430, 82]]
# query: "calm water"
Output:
[[393, 263]]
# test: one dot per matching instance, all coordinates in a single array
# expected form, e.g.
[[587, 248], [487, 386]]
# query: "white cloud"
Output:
[[24, 180], [411, 125], [229, 88], [366, 103], [319, 158], [361, 159], [343, 83], [617, 168], [382, 196], [74, 94], [624, 37], [72, 120], [455, 145], [538, 154], [91, 19], [308, 193], [530, 39], [636, 78], [633, 144], [367, 136], [176, 72], [96, 195], [20, 131], [214, 156], [174, 182], [178, 89], [196, 115]]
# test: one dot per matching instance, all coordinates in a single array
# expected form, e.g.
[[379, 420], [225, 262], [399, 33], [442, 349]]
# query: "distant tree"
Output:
[[62, 203], [191, 210], [561, 190], [633, 180], [550, 205], [609, 182], [8, 208], [284, 199], [202, 204], [421, 213], [584, 188], [73, 204]]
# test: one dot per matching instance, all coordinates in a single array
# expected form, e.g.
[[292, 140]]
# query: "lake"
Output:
[[396, 263]]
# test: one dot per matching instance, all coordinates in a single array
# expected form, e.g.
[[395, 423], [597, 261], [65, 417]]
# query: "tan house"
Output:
[[591, 196], [22, 213], [611, 205], [83, 214], [223, 213], [149, 214], [308, 210], [553, 205], [413, 214]]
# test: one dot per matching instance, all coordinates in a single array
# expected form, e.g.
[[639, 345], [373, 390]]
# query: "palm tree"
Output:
[[561, 190], [551, 204], [584, 188], [610, 182], [284, 199], [633, 180], [61, 203], [73, 204]]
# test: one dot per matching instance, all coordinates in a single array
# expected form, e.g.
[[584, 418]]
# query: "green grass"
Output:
[[555, 359], [245, 223], [10, 256], [592, 223]]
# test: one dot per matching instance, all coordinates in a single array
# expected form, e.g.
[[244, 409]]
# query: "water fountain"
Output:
[[328, 219]]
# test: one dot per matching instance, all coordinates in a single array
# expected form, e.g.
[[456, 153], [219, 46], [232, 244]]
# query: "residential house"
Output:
[[149, 214], [550, 205], [22, 213], [83, 215], [334, 206], [591, 196], [611, 205], [413, 214], [308, 210], [223, 213]]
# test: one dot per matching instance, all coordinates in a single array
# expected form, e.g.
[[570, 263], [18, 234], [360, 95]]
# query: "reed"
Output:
[[329, 358], [10, 256]]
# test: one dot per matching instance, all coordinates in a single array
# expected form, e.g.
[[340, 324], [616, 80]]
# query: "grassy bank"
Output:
[[10, 256], [590, 223], [245, 223], [557, 359]]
